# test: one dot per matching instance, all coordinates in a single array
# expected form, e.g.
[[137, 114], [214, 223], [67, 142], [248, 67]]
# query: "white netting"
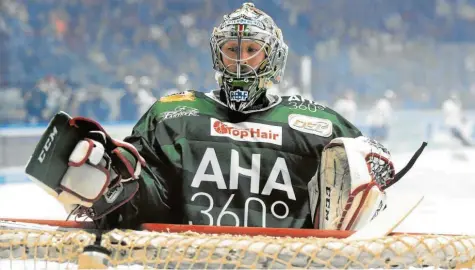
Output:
[[141, 249]]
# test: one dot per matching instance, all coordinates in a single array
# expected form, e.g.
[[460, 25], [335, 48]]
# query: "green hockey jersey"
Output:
[[203, 168]]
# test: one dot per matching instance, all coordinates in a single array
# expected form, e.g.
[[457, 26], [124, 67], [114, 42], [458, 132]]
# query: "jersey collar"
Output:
[[273, 101]]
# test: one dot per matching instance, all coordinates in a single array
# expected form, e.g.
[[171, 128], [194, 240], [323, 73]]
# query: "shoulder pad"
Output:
[[188, 95], [301, 100]]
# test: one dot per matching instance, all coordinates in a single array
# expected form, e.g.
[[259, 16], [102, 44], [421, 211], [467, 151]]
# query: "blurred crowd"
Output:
[[110, 59]]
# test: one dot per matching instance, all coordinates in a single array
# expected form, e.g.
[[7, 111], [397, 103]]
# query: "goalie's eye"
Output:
[[247, 51]]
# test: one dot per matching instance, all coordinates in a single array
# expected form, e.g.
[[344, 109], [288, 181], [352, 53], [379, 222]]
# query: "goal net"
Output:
[[198, 247]]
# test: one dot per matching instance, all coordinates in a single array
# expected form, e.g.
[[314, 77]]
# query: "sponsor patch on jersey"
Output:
[[313, 125], [179, 111], [247, 131], [183, 96]]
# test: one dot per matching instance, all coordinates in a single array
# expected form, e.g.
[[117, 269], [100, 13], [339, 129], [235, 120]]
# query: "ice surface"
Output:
[[446, 178]]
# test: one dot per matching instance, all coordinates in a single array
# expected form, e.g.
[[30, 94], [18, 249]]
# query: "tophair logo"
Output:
[[247, 131]]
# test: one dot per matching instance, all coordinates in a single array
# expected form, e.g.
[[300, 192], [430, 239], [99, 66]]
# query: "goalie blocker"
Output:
[[78, 163]]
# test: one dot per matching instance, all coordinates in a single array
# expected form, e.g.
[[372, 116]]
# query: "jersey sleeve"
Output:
[[297, 104], [343, 127], [156, 200]]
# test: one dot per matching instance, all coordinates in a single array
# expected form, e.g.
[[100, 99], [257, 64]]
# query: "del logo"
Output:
[[239, 95], [183, 96], [312, 125], [247, 131]]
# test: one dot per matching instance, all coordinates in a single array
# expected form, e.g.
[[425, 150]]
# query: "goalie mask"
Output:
[[249, 54]]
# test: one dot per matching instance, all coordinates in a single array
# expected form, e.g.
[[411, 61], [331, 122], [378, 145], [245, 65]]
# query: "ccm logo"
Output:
[[381, 207], [47, 145], [328, 193]]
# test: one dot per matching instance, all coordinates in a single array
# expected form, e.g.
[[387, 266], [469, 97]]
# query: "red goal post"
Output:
[[67, 243], [179, 228]]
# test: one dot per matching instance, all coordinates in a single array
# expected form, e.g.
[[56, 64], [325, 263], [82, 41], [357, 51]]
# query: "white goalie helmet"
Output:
[[249, 54]]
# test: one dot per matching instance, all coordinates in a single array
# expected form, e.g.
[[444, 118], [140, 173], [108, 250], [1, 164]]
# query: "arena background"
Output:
[[109, 60]]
